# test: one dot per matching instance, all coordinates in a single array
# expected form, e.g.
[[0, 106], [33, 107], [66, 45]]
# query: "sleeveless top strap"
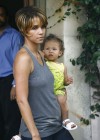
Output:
[[32, 55]]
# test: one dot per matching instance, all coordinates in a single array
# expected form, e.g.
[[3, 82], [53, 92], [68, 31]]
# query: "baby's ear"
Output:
[[60, 53]]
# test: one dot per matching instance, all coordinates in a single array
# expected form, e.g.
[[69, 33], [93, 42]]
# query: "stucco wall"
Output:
[[79, 96]]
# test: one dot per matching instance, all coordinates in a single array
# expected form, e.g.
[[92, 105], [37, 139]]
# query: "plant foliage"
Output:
[[90, 33]]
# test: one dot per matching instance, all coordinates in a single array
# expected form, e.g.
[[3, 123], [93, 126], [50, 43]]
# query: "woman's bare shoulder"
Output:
[[23, 55], [23, 61]]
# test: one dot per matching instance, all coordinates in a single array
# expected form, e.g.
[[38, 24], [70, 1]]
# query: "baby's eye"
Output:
[[54, 49], [46, 48]]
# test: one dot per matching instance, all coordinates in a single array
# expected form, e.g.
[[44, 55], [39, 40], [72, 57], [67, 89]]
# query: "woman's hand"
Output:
[[13, 93]]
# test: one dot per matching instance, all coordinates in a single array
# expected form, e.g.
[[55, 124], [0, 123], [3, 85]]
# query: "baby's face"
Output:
[[52, 50]]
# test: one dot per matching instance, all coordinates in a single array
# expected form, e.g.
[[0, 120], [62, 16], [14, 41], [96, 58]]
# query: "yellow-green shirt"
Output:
[[57, 70]]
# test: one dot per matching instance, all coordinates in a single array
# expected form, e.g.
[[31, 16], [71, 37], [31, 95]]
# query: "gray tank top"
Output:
[[44, 105]]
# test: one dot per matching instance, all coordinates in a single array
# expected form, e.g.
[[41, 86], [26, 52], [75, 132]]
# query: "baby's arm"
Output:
[[67, 79]]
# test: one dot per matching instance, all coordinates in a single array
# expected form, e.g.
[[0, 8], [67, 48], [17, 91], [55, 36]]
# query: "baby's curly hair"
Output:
[[53, 37]]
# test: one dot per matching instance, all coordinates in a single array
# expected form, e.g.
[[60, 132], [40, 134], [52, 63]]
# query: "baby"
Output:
[[53, 48]]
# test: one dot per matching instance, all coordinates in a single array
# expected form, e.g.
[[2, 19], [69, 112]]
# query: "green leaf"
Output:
[[68, 9], [96, 55], [73, 12], [97, 106], [65, 3], [78, 10], [81, 119], [87, 122], [92, 116], [92, 108], [73, 62], [59, 20], [67, 13], [96, 115]]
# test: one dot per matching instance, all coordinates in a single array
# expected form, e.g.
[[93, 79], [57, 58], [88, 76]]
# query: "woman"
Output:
[[41, 114]]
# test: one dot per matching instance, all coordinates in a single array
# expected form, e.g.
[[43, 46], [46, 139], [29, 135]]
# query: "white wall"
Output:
[[79, 96], [79, 91]]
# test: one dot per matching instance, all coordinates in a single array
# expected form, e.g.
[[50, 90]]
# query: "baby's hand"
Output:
[[69, 80]]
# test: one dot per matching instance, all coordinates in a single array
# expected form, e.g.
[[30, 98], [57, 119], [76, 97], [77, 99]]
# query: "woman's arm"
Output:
[[22, 68]]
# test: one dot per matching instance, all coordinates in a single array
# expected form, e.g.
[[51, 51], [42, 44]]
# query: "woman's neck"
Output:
[[32, 46]]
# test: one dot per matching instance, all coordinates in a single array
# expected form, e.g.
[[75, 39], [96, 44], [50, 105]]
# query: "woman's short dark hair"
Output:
[[24, 18]]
